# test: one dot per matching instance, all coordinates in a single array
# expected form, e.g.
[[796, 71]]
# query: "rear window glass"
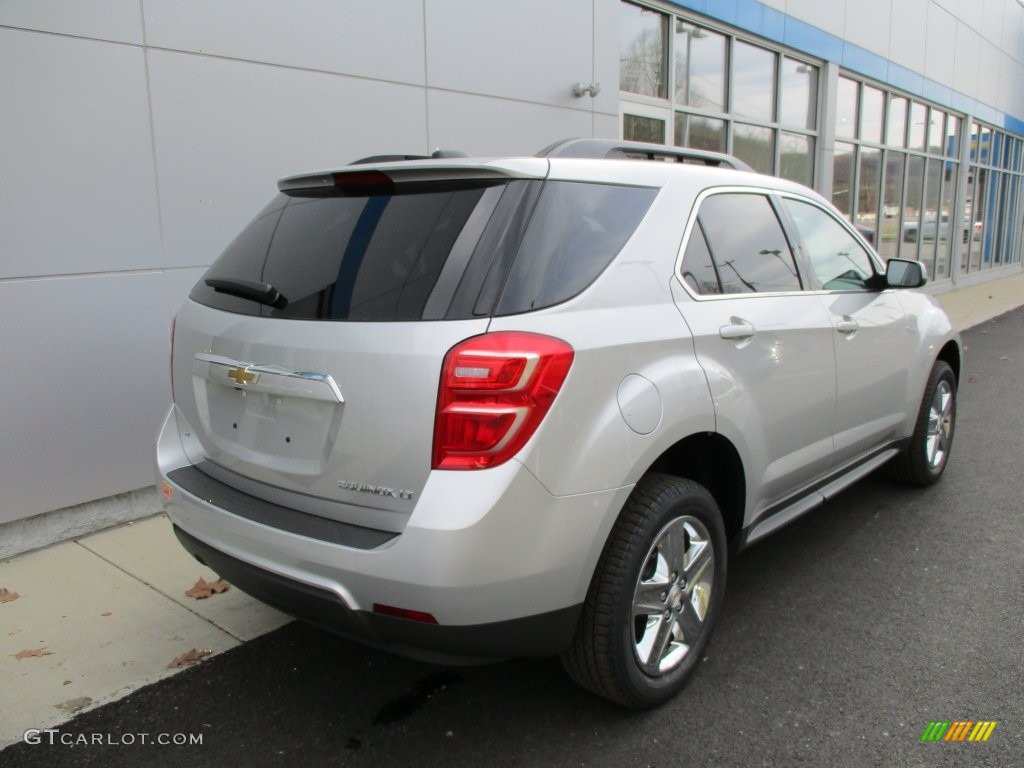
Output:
[[428, 250]]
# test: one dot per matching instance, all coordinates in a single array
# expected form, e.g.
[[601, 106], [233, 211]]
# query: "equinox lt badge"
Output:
[[376, 490]]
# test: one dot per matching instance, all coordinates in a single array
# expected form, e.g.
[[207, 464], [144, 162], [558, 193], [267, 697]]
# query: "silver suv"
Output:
[[472, 409]]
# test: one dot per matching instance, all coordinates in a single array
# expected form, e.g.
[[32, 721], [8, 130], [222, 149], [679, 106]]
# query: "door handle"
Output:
[[737, 329], [847, 325]]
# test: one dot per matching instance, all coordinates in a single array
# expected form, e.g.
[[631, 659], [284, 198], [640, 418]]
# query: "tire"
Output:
[[924, 459], [625, 649]]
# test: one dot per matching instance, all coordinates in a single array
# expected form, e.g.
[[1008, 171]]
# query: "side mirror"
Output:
[[903, 273]]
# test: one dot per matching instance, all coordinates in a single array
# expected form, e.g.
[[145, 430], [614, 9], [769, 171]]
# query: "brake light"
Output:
[[363, 183], [495, 391]]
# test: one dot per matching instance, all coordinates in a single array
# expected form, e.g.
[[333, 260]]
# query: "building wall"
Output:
[[137, 138]]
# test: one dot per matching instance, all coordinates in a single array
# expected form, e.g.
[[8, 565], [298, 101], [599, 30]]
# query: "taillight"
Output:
[[174, 323], [495, 391]]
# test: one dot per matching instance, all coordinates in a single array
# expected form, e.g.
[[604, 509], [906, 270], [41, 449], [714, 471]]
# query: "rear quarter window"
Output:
[[576, 231]]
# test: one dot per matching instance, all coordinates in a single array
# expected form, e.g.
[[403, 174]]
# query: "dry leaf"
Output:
[[28, 653], [6, 596], [190, 657], [203, 589], [73, 705]]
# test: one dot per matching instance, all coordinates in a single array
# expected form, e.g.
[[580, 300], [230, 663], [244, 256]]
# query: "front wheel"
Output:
[[655, 595], [924, 458]]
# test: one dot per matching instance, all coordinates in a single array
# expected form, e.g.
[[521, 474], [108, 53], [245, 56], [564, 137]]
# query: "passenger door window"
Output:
[[748, 247], [839, 262]]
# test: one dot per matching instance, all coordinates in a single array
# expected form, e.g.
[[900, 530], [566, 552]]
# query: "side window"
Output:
[[747, 244], [839, 262], [698, 270]]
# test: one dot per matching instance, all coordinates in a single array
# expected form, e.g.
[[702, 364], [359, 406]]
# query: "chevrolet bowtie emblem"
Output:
[[241, 376]]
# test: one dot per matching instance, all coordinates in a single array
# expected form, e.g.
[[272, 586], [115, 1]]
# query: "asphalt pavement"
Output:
[[843, 636]]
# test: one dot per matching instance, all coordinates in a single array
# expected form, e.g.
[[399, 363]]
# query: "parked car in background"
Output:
[[468, 409], [933, 226]]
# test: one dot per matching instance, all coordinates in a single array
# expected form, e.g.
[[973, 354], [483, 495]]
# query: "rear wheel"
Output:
[[654, 597], [924, 458]]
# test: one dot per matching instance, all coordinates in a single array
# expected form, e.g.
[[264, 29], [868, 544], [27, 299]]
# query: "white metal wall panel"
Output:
[[119, 20], [382, 39], [78, 192], [513, 127], [530, 50], [226, 130], [85, 384]]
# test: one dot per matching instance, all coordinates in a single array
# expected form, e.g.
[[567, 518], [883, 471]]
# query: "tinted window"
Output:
[[575, 232], [450, 249], [698, 269], [838, 260], [373, 257], [242, 259], [747, 244]]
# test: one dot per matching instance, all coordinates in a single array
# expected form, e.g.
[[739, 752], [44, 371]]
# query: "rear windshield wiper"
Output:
[[263, 293]]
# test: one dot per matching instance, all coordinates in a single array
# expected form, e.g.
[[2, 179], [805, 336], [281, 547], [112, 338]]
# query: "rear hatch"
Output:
[[308, 357]]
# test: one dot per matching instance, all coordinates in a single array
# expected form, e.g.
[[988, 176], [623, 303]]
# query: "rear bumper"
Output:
[[540, 635], [500, 563]]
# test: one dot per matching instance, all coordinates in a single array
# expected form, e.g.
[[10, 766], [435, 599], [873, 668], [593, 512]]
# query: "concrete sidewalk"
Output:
[[108, 613]]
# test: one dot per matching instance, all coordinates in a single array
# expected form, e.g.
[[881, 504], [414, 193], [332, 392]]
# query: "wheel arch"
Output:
[[950, 354], [710, 459]]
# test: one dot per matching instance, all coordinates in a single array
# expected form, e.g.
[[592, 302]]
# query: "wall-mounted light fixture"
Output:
[[581, 89]]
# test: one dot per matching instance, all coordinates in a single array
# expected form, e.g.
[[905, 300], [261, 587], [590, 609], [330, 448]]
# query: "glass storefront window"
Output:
[[700, 66], [846, 108], [755, 145], [888, 242], [912, 207], [796, 157], [943, 256], [842, 177], [953, 136], [936, 132], [643, 40], [896, 127], [985, 145], [799, 94], [871, 108], [687, 83], [753, 91], [638, 128], [934, 228], [700, 132], [868, 188], [918, 124]]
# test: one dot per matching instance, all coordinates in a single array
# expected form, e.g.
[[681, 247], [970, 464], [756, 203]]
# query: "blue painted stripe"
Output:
[[767, 22]]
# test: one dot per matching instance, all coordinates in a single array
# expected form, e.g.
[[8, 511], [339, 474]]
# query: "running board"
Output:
[[806, 503]]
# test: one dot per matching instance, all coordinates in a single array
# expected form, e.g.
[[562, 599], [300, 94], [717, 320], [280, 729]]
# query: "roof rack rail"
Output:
[[613, 148], [437, 154]]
